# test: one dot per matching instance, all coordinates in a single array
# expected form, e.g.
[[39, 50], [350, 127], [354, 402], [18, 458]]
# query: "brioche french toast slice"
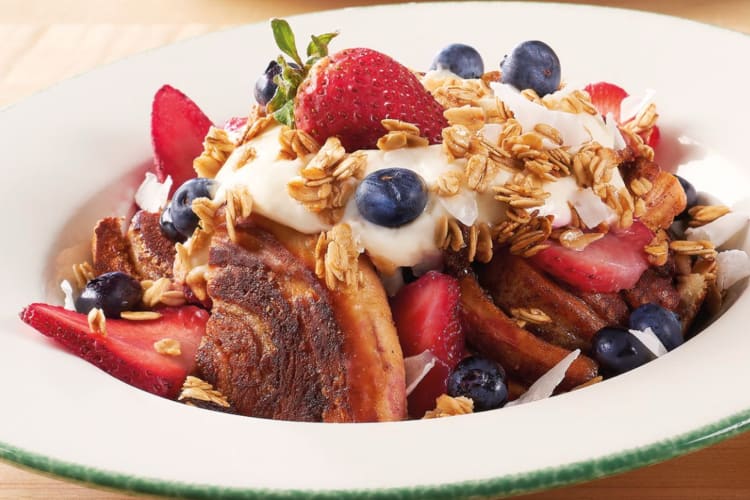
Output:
[[664, 200], [281, 345], [110, 248], [522, 353]]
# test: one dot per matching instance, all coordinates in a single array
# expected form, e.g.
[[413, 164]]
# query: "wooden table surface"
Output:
[[44, 41]]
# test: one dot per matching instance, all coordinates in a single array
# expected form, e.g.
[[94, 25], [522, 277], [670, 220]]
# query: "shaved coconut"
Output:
[[417, 367], [576, 129], [462, 206], [650, 340], [718, 231], [546, 384], [591, 209], [491, 132], [67, 289], [611, 125], [152, 195], [632, 105], [733, 265]]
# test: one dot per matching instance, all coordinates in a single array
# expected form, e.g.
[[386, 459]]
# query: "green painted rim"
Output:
[[500, 486]]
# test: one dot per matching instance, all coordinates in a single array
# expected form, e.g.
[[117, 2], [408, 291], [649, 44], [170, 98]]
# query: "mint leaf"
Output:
[[284, 37], [318, 46], [285, 114]]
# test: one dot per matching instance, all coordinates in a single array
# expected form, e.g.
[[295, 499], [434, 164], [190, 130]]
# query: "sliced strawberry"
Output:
[[127, 351], [606, 98], [178, 127], [349, 93], [613, 263], [235, 124], [426, 313]]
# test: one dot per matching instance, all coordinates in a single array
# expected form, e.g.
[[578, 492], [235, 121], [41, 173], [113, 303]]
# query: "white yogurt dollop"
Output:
[[266, 177]]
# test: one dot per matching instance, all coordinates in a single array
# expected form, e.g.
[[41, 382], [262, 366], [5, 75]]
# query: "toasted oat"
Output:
[[531, 95], [683, 264], [644, 120], [520, 196], [636, 143], [530, 315], [83, 273], [449, 183], [640, 186], [480, 171], [703, 248], [576, 239], [256, 124], [168, 347], [205, 209], [457, 92], [296, 143], [217, 146], [399, 135], [658, 249], [195, 388], [703, 214], [484, 244], [491, 77], [448, 234], [97, 321], [549, 132], [140, 315], [525, 236], [495, 110], [457, 140], [153, 291], [337, 257], [447, 406], [471, 117]]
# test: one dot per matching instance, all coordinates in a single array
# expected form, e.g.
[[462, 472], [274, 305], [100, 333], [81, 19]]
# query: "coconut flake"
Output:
[[576, 129], [152, 195], [718, 231], [591, 209], [417, 367], [632, 105], [546, 384], [732, 266], [650, 340], [67, 289], [462, 206]]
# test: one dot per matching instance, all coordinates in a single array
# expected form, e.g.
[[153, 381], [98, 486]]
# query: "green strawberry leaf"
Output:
[[285, 114], [284, 37], [318, 46]]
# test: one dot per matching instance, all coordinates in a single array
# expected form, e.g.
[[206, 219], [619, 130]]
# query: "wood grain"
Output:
[[45, 41]]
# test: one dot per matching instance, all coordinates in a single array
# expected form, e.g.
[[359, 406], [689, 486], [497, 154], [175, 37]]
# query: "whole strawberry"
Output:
[[349, 93]]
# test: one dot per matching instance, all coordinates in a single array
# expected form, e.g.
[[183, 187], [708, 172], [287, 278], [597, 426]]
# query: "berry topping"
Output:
[[348, 94], [178, 128], [480, 379], [184, 219], [391, 197], [265, 87], [126, 351], [610, 264], [532, 65], [617, 351], [463, 60], [664, 323], [426, 313], [167, 226], [606, 98], [690, 194], [113, 293]]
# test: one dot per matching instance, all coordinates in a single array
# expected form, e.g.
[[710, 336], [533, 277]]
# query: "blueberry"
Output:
[[460, 59], [690, 193], [112, 293], [265, 87], [480, 379], [391, 197], [532, 65], [184, 219], [167, 226], [617, 351], [663, 322]]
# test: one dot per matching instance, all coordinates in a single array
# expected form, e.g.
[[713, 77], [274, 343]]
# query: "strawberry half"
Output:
[[607, 97], [349, 93], [426, 313], [178, 127], [610, 264], [127, 351]]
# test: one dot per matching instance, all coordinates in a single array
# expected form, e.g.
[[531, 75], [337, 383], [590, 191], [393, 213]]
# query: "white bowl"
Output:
[[75, 152]]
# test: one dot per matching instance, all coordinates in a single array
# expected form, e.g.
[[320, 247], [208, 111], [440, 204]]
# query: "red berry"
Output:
[[349, 93], [127, 351], [235, 124], [426, 313], [610, 264], [606, 98], [178, 127]]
